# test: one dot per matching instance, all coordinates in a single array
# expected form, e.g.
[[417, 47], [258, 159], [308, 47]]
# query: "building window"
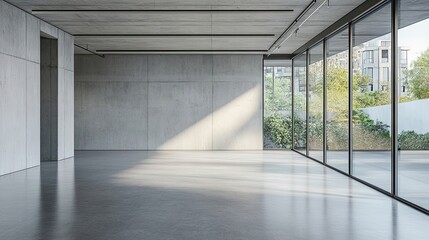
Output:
[[403, 74], [385, 56], [386, 74], [369, 72], [404, 57], [368, 56], [385, 43]]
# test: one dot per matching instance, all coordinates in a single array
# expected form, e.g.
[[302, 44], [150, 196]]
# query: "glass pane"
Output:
[[337, 97], [278, 104], [413, 108], [315, 102], [300, 123], [372, 99]]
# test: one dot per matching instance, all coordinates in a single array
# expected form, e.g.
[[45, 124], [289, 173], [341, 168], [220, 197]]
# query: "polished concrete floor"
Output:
[[375, 167], [197, 195]]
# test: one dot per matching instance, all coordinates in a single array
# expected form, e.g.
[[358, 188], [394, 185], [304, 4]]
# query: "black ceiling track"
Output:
[[92, 52], [174, 35], [173, 51], [160, 10], [306, 9]]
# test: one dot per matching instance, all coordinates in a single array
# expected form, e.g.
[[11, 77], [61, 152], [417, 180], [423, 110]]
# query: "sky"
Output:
[[416, 38]]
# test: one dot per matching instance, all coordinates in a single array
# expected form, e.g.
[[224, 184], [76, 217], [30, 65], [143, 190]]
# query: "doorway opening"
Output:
[[48, 99]]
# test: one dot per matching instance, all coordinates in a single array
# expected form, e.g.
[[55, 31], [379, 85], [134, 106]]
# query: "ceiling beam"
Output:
[[279, 57]]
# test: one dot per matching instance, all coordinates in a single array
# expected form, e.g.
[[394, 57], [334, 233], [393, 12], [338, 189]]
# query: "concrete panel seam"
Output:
[[26, 47], [212, 101], [147, 102], [18, 57], [64, 108], [26, 93], [15, 6], [26, 106]]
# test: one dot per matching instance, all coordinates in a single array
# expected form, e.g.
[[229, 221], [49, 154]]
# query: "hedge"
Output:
[[367, 134]]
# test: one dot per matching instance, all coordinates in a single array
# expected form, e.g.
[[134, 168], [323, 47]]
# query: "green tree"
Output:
[[277, 94], [368, 134], [371, 99], [418, 76], [337, 92], [337, 87]]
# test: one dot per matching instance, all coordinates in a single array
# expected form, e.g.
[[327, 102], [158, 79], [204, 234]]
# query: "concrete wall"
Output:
[[168, 102], [412, 116], [20, 88]]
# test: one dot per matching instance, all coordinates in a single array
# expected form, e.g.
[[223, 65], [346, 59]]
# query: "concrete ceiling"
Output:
[[217, 28]]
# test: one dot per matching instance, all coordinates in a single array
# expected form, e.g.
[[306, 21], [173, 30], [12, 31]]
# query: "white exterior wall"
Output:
[[413, 116]]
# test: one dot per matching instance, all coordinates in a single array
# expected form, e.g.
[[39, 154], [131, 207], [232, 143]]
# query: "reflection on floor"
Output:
[[197, 195], [375, 168]]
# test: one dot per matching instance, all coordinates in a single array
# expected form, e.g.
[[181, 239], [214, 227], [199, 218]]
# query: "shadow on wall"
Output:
[[199, 102]]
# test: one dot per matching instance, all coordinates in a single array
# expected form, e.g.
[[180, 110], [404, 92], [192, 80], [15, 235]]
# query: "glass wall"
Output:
[[372, 98], [278, 104], [300, 105], [369, 51], [315, 102], [337, 100], [413, 101]]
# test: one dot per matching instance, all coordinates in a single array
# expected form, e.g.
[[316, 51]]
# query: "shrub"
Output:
[[315, 128], [278, 129], [338, 135], [300, 133], [410, 140], [367, 133]]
